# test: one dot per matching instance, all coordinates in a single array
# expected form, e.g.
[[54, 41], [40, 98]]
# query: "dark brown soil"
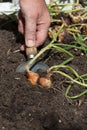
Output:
[[23, 107]]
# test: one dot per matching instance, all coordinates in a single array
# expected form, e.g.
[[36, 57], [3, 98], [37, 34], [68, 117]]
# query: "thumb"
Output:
[[30, 32]]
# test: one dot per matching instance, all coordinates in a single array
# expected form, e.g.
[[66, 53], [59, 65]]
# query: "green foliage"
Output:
[[78, 43]]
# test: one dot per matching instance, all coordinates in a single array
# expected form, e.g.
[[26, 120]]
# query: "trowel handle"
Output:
[[31, 52]]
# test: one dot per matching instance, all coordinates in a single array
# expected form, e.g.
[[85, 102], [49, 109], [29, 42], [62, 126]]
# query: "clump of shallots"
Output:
[[34, 79]]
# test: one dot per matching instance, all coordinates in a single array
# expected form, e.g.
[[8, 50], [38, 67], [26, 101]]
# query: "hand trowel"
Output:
[[30, 53]]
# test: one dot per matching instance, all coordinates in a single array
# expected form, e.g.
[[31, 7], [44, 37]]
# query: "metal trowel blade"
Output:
[[34, 67]]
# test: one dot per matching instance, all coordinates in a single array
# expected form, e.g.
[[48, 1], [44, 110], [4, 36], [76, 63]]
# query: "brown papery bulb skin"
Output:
[[32, 78], [45, 82]]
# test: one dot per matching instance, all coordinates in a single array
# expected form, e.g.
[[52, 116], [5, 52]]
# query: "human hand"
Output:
[[34, 21]]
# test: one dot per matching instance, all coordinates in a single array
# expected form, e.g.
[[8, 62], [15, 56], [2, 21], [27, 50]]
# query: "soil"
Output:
[[26, 107]]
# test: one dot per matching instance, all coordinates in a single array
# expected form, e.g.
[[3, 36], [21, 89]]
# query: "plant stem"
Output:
[[38, 55], [76, 96], [70, 78]]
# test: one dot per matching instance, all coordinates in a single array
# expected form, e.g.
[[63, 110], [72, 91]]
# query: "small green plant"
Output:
[[56, 43], [79, 79], [80, 42], [56, 33]]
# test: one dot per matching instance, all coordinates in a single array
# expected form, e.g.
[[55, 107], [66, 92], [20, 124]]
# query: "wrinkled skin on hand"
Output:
[[34, 21]]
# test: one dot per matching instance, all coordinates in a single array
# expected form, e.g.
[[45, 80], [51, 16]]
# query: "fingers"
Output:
[[33, 36], [28, 28], [33, 22], [21, 23], [42, 32], [30, 31], [41, 37], [20, 27]]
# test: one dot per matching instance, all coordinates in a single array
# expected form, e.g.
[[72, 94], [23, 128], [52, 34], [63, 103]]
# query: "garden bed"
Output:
[[27, 107]]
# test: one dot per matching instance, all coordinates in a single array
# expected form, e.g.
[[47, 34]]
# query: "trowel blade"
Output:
[[34, 67]]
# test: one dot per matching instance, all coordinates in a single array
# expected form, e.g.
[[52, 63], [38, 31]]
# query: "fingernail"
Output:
[[30, 43]]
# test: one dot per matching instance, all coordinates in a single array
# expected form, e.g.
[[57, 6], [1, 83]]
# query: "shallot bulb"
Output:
[[32, 77]]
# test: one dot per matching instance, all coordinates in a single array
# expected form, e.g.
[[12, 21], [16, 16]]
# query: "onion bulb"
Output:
[[32, 77], [45, 82]]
